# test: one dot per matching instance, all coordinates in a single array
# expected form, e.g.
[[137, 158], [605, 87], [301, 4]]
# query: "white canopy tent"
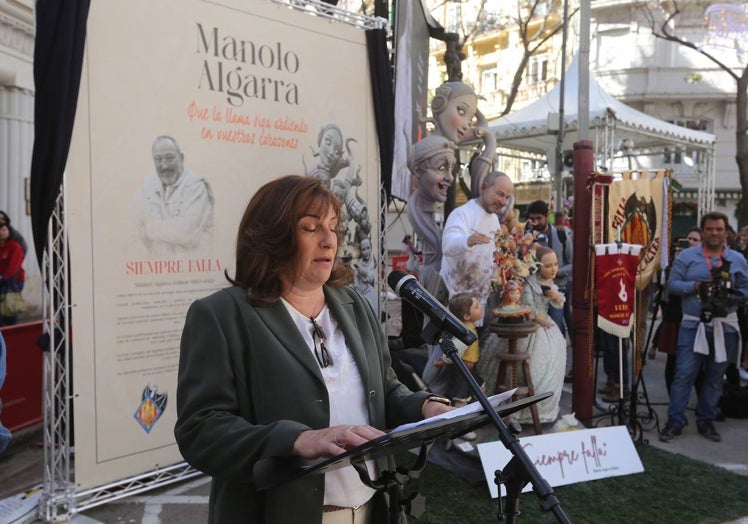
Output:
[[533, 129]]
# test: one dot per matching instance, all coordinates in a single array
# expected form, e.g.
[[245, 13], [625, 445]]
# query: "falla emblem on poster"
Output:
[[152, 406]]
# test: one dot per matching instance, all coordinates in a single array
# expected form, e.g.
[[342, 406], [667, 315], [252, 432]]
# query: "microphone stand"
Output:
[[519, 470]]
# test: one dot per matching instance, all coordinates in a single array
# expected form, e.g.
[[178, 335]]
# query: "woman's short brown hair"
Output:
[[266, 244]]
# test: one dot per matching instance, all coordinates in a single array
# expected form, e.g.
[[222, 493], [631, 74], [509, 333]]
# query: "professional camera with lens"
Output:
[[540, 237], [716, 294]]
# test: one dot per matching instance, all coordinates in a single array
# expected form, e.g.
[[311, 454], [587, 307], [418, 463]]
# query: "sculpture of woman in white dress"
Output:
[[547, 346]]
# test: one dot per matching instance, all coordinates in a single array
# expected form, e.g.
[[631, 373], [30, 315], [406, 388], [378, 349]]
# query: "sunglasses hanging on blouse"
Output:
[[323, 356]]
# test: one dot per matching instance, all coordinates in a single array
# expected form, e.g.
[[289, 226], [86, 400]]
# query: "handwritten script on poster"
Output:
[[568, 457], [231, 125]]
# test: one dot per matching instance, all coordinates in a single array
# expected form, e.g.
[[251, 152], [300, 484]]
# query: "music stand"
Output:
[[272, 472], [519, 470]]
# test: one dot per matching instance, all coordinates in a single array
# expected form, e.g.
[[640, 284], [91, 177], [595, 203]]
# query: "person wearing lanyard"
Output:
[[709, 334], [289, 362]]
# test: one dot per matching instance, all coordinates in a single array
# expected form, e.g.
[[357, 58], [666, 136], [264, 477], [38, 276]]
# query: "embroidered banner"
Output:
[[635, 210], [615, 272]]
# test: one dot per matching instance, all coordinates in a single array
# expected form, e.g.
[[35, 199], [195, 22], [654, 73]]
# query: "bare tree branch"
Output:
[[476, 26], [664, 30], [530, 45], [665, 33]]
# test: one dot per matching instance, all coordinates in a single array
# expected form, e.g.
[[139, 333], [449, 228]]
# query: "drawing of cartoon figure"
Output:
[[366, 273], [331, 159]]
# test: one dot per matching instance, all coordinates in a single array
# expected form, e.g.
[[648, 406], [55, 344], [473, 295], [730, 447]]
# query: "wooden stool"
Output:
[[513, 360]]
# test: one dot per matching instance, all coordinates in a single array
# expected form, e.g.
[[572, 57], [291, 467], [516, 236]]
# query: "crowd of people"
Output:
[[688, 339], [293, 328], [297, 325], [706, 353]]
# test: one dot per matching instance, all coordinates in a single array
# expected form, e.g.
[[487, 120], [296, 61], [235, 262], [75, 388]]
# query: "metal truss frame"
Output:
[[60, 500], [706, 189], [606, 136], [56, 501], [325, 10]]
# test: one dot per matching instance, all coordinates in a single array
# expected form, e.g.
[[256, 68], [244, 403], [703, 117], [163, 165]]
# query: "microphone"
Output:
[[408, 288]]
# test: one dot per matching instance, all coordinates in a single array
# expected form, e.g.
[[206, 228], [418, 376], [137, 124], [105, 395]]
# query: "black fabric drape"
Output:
[[58, 59], [382, 89]]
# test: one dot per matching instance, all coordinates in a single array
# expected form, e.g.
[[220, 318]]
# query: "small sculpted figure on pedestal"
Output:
[[511, 308]]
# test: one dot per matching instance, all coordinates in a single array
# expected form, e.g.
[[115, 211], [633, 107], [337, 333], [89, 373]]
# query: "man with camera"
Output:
[[712, 281]]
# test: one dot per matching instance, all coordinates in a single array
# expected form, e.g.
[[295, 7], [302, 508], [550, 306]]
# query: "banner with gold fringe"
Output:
[[636, 216], [615, 275]]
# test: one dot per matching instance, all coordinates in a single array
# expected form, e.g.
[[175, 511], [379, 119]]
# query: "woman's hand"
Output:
[[329, 442], [432, 408], [554, 295]]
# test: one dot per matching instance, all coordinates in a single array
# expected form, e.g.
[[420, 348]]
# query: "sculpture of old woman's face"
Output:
[[434, 160]]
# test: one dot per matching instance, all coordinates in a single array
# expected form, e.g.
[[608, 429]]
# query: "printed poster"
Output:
[[186, 108]]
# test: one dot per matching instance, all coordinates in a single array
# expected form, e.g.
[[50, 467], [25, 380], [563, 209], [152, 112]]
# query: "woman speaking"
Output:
[[288, 362]]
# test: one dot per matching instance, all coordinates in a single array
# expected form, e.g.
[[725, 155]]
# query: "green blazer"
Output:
[[248, 385]]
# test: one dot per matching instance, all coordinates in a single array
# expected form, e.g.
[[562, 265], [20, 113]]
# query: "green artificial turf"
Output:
[[672, 489]]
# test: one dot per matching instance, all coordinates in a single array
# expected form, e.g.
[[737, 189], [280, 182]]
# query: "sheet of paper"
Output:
[[473, 407], [21, 507]]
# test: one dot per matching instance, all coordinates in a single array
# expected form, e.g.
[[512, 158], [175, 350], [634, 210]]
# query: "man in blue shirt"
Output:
[[709, 333]]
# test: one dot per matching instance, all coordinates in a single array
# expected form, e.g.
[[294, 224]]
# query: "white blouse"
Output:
[[346, 391]]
